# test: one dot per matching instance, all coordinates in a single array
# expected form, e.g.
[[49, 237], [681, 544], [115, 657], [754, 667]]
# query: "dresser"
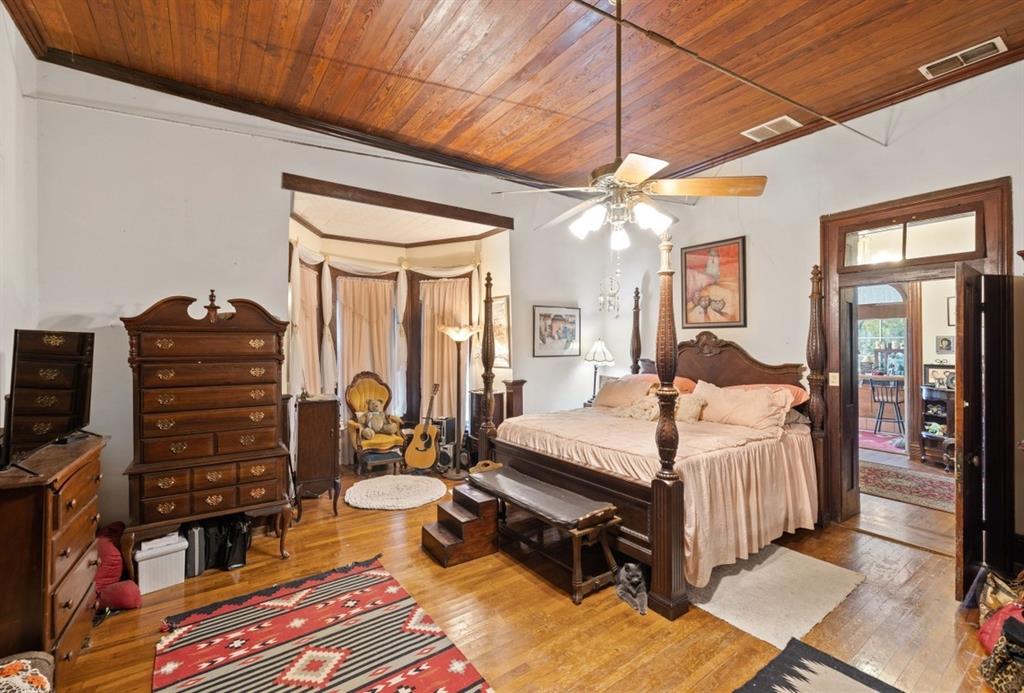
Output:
[[50, 517], [317, 466], [208, 417]]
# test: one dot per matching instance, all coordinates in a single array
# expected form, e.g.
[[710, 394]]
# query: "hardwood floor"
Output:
[[906, 523], [901, 460], [517, 624]]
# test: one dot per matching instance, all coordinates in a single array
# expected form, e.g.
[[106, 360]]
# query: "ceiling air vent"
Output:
[[963, 58], [772, 128]]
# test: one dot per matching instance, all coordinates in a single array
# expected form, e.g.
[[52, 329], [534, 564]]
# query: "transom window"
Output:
[[914, 240]]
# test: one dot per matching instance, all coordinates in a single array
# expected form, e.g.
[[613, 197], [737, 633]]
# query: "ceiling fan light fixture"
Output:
[[650, 218], [619, 238], [590, 220]]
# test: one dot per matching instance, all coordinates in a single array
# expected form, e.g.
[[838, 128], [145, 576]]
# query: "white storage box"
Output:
[[161, 563]]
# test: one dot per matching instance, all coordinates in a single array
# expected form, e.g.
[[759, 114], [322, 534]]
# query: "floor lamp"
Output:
[[458, 334]]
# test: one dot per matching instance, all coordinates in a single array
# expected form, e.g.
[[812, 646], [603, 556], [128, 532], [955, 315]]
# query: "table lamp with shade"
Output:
[[458, 334], [600, 357]]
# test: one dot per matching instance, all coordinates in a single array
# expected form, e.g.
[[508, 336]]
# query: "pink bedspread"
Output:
[[743, 488]]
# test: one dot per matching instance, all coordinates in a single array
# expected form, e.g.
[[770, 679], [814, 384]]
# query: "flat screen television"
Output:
[[51, 389]]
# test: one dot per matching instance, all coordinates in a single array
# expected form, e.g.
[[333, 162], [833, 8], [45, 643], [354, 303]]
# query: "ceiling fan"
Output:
[[625, 188]]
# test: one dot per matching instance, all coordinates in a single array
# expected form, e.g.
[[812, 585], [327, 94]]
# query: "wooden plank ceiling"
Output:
[[525, 86]]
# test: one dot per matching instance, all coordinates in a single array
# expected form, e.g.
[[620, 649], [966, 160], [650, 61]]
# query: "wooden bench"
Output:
[[585, 521]]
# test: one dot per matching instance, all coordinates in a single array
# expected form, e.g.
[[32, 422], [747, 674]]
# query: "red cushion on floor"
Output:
[[120, 595], [992, 628], [110, 568]]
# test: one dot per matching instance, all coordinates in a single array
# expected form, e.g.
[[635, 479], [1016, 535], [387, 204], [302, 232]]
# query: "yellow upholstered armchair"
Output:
[[382, 447]]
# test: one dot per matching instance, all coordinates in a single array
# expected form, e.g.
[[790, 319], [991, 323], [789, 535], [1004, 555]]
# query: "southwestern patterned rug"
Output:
[[935, 490], [802, 669], [353, 628]]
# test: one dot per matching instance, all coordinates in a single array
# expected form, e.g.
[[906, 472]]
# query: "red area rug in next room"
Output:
[[350, 629], [883, 442]]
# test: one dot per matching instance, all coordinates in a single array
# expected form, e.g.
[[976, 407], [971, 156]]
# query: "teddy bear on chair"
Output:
[[374, 420]]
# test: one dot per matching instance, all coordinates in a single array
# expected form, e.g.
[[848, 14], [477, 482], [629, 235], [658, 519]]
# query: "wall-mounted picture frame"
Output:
[[944, 344], [501, 316], [714, 283], [951, 311], [940, 375], [556, 331]]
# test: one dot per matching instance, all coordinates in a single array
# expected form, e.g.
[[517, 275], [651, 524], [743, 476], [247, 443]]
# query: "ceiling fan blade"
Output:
[[745, 186], [573, 212], [636, 168], [543, 190]]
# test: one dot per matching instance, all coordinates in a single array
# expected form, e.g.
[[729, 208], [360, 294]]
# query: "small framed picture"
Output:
[[951, 311], [944, 344], [940, 375], [714, 283], [556, 331]]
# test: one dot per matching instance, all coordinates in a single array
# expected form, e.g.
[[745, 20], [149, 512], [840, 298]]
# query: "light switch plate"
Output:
[[833, 379]]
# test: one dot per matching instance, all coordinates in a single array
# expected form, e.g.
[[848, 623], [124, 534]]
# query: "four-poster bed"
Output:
[[652, 512]]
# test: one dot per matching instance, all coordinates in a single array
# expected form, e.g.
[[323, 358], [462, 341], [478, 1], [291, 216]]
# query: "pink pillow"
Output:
[[800, 395], [684, 385], [625, 391], [760, 407]]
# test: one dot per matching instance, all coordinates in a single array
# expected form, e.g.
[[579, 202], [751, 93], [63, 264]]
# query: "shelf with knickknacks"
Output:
[[600, 357]]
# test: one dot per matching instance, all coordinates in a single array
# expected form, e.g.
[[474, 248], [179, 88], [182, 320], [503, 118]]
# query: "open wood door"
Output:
[[849, 402], [984, 425]]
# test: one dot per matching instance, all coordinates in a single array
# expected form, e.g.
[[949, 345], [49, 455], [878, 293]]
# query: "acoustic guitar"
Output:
[[421, 453]]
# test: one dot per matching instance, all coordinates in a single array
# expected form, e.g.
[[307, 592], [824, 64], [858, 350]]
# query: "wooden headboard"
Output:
[[726, 363]]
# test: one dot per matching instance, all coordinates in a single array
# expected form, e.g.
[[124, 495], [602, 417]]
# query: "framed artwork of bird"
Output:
[[715, 284]]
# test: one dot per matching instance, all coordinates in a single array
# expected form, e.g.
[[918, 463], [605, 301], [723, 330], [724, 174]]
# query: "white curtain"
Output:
[[367, 328], [443, 302], [308, 324]]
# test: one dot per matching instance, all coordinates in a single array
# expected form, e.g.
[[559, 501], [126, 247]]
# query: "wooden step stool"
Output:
[[466, 527]]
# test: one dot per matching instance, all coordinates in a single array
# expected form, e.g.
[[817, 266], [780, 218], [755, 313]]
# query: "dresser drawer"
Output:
[[77, 584], [176, 448], [266, 468], [77, 492], [165, 483], [67, 545], [51, 343], [177, 423], [210, 477], [168, 508], [214, 499], [259, 492], [198, 373], [38, 429], [72, 642], [238, 441], [180, 399], [45, 374], [48, 402], [184, 344]]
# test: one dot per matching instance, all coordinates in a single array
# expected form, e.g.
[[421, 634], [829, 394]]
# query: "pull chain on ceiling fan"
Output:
[[625, 189]]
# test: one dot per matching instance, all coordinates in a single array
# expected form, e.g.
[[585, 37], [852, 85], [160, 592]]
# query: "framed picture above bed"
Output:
[[715, 284], [556, 331], [502, 343]]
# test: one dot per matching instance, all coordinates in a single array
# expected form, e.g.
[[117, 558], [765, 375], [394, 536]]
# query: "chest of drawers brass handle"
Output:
[[41, 428], [166, 508], [93, 562], [165, 399], [67, 605], [165, 482], [257, 469], [215, 499], [257, 394], [214, 476], [72, 504], [48, 373], [257, 493], [46, 400], [165, 424], [95, 519], [257, 371], [178, 448], [53, 340], [165, 373], [66, 552], [247, 440], [164, 344], [256, 343], [256, 416]]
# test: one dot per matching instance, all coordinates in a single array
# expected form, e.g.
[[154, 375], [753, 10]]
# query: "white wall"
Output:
[[934, 319], [134, 209], [18, 228]]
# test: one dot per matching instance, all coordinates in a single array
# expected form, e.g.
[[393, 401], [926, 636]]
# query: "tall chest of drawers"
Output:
[[208, 416], [49, 510]]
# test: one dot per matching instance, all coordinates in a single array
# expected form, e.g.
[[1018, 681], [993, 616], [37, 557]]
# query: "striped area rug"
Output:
[[353, 628]]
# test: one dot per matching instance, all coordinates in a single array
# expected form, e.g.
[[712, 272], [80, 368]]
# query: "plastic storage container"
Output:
[[161, 563]]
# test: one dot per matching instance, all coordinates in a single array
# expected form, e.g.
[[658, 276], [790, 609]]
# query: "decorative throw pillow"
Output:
[[120, 596], [800, 394], [20, 675], [689, 407], [645, 409], [762, 408], [625, 391]]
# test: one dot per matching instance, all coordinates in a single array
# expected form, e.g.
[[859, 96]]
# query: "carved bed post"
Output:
[[668, 586], [816, 381], [487, 356], [634, 344]]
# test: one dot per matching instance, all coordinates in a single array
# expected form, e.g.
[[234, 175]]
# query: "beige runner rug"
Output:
[[776, 594]]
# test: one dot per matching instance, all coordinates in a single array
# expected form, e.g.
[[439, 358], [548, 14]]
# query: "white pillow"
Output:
[[625, 391], [763, 408]]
